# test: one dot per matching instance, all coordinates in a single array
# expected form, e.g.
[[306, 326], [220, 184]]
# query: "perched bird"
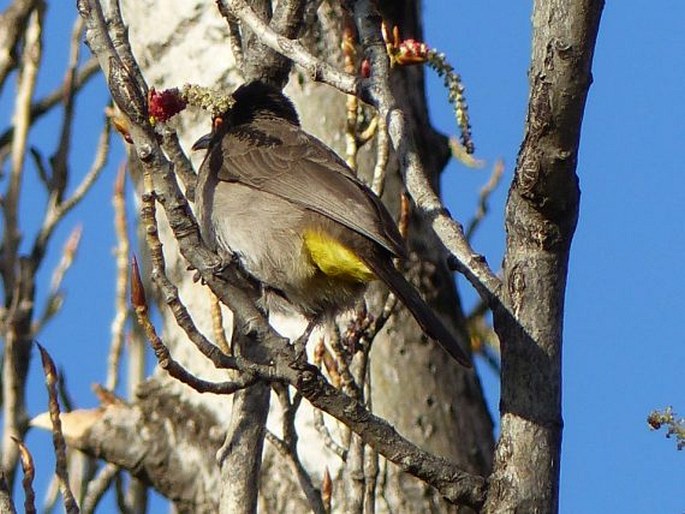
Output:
[[296, 217]]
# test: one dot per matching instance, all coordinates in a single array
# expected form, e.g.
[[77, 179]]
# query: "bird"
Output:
[[295, 216]]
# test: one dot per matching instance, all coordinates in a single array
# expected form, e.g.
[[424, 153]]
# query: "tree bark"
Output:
[[541, 215]]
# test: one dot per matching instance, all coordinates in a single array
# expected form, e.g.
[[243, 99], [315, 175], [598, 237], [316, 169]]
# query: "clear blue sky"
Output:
[[624, 350]]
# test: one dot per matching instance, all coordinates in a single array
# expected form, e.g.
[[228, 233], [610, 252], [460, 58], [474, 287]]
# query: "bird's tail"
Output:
[[424, 315]]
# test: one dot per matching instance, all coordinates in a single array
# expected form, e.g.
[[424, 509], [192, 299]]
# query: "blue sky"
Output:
[[624, 350]]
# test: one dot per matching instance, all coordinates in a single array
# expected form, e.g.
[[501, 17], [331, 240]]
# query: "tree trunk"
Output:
[[541, 215]]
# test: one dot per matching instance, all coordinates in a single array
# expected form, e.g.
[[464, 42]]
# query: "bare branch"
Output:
[[483, 196], [96, 167], [122, 251], [370, 480], [58, 180], [351, 102], [218, 324], [453, 483], [448, 230], [97, 488], [287, 447], [25, 89], [55, 212], [12, 25], [382, 156], [303, 477], [328, 440], [164, 358], [57, 437], [234, 36], [293, 49], [55, 297], [169, 290], [182, 164], [45, 104], [29, 470], [17, 273]]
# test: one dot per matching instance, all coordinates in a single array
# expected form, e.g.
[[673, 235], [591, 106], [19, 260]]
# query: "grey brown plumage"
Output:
[[265, 184]]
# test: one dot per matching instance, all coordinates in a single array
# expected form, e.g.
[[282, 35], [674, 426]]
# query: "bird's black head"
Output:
[[259, 98], [253, 99]]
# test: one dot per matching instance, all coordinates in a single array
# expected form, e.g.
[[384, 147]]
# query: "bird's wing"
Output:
[[283, 160]]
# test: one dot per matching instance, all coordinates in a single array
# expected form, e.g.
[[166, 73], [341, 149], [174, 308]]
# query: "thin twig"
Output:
[[234, 37], [31, 57], [382, 318], [122, 251], [18, 273], [300, 344], [293, 49], [182, 164], [55, 297], [98, 487], [60, 446], [39, 162], [137, 492], [450, 232], [99, 161], [68, 256], [287, 447], [370, 479], [164, 358], [382, 156], [322, 356], [12, 26], [484, 196], [351, 101], [169, 290], [328, 441], [59, 161], [354, 476], [56, 212], [43, 105], [349, 384], [218, 324], [29, 470], [118, 35], [313, 496], [354, 470]]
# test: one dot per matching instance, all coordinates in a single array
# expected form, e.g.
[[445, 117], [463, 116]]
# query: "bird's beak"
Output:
[[204, 142]]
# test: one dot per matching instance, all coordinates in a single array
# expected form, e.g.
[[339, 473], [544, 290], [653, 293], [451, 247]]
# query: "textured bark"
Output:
[[241, 455], [163, 440], [541, 215], [433, 402]]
